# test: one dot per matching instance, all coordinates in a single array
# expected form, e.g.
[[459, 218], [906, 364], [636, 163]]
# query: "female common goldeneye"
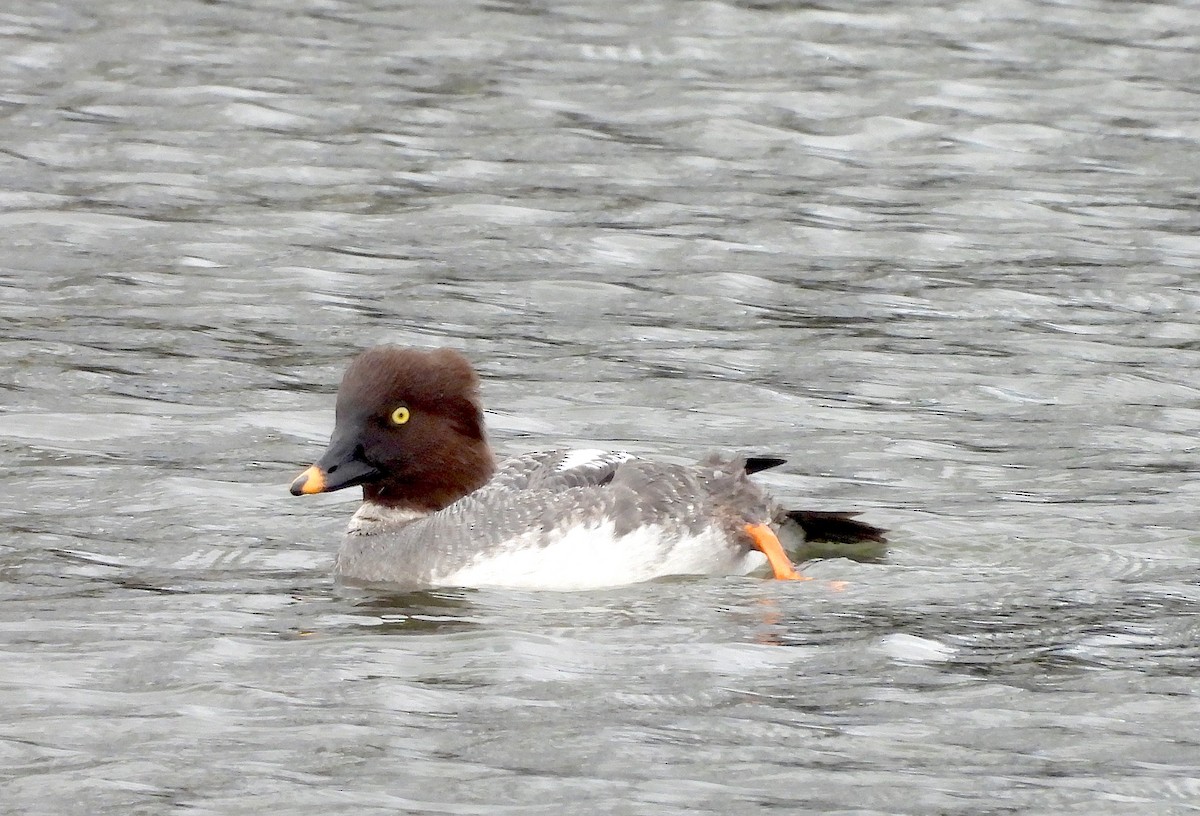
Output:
[[438, 511]]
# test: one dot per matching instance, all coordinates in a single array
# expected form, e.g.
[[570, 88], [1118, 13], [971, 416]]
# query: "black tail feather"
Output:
[[836, 527], [819, 525], [754, 464]]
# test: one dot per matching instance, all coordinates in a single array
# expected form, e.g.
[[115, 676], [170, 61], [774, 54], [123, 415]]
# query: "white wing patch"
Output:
[[590, 457]]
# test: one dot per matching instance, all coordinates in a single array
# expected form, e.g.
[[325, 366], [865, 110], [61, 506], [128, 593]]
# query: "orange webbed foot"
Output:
[[765, 540]]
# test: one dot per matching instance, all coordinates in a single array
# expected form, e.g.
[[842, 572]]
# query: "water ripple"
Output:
[[941, 262]]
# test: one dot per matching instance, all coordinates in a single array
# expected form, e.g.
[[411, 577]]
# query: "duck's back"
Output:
[[568, 519]]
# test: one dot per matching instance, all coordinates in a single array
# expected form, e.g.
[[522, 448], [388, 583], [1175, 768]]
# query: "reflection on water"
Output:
[[942, 263], [428, 612]]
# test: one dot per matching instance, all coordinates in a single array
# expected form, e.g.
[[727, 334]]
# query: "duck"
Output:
[[438, 510]]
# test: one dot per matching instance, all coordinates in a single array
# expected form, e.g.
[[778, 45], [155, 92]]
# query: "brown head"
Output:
[[408, 428]]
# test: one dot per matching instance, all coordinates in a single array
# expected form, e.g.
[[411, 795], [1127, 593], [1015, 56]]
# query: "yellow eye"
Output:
[[400, 415]]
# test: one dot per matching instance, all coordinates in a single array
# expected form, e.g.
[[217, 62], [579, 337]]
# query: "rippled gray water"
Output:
[[942, 257]]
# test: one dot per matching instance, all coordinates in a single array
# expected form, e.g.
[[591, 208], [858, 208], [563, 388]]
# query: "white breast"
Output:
[[591, 557]]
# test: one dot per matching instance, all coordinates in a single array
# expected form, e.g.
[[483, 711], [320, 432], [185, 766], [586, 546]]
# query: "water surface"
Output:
[[941, 257]]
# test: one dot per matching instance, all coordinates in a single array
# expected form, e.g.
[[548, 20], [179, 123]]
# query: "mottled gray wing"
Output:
[[560, 489], [715, 490], [555, 470]]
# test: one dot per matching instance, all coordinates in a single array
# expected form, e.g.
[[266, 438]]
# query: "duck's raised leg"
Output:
[[767, 542]]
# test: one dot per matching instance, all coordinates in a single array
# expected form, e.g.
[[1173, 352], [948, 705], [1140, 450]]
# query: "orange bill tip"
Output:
[[308, 482], [765, 540]]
